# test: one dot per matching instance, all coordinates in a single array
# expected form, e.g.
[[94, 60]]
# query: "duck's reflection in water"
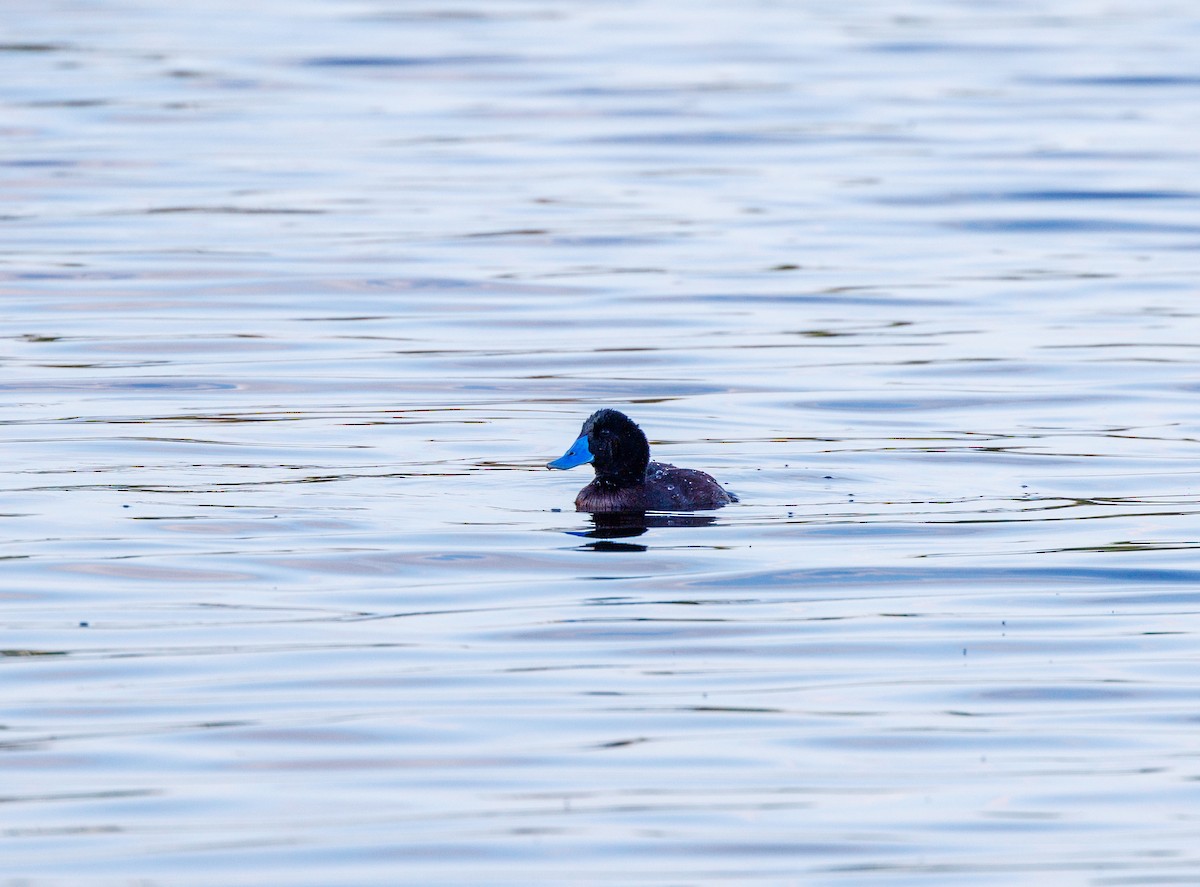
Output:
[[607, 526]]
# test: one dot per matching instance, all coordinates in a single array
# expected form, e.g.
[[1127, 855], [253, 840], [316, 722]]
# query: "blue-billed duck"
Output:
[[626, 479]]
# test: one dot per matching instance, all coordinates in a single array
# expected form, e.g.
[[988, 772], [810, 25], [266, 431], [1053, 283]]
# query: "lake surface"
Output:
[[299, 298]]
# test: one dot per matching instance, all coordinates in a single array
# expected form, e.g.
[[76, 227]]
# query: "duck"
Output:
[[626, 479]]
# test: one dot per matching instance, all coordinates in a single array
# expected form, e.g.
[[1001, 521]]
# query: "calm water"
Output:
[[300, 297]]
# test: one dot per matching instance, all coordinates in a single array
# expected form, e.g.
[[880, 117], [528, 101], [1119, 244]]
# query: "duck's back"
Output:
[[665, 488], [683, 489]]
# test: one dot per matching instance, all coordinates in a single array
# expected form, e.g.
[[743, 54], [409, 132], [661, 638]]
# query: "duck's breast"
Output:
[[597, 498]]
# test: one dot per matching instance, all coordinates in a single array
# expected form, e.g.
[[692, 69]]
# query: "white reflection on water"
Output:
[[300, 299]]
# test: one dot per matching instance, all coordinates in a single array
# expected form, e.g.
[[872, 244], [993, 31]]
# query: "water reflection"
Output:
[[607, 526]]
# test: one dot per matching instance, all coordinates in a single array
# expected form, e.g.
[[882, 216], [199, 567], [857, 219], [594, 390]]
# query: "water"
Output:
[[299, 299]]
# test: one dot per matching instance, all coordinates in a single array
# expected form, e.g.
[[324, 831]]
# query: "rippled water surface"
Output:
[[300, 297]]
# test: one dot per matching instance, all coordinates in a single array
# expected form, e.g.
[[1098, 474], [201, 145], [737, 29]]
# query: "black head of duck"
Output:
[[626, 479]]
